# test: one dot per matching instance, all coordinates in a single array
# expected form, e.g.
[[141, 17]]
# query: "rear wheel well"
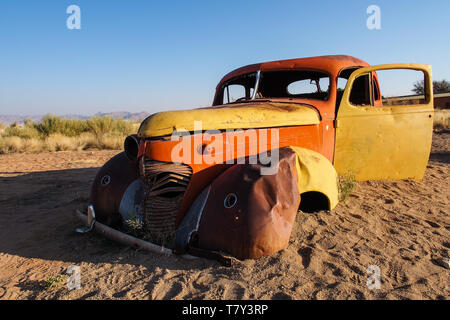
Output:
[[313, 201]]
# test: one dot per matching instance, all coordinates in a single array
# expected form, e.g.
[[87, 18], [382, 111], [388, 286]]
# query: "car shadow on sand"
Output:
[[443, 157], [37, 220]]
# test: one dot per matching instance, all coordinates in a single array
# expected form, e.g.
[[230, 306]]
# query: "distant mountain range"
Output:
[[138, 116]]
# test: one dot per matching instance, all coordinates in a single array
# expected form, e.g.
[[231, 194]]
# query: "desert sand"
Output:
[[402, 227]]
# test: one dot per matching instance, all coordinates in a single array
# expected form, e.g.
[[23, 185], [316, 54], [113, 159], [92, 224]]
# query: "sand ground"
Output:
[[402, 227]]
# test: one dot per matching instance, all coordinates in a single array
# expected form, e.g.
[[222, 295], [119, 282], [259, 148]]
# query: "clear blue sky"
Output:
[[156, 55]]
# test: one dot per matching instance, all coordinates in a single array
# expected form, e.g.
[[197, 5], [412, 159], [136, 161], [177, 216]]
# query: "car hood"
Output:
[[234, 116]]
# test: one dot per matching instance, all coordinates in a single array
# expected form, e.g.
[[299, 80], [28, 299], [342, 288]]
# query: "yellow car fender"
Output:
[[316, 174]]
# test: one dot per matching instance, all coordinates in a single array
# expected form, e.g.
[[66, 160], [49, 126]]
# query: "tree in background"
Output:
[[438, 87]]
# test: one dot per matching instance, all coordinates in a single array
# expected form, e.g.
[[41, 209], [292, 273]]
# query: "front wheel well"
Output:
[[314, 201]]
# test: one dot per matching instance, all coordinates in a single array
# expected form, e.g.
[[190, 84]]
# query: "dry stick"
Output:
[[126, 239]]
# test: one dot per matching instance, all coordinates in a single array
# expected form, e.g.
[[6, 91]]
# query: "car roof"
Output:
[[332, 64]]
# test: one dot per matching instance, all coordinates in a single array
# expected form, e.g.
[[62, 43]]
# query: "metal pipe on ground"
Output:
[[126, 239]]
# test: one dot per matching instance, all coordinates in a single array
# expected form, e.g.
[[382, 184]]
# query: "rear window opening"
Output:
[[304, 84]]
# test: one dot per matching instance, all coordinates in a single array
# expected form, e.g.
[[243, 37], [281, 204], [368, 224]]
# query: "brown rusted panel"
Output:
[[109, 186], [198, 182], [261, 220]]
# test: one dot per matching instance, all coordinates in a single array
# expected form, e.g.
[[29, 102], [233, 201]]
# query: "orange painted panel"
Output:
[[218, 149]]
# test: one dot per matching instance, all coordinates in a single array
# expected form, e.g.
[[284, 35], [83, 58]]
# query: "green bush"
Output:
[[107, 125], [24, 132], [51, 124], [346, 185]]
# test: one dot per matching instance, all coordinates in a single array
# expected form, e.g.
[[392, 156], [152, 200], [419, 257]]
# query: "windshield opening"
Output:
[[239, 88], [302, 84]]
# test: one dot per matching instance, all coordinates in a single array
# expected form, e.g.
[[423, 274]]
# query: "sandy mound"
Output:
[[402, 227]]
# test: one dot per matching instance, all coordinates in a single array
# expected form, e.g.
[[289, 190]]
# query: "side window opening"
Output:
[[402, 87], [360, 93], [376, 90], [377, 101], [342, 83]]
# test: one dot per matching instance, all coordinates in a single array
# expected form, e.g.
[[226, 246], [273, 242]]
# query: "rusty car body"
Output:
[[187, 175]]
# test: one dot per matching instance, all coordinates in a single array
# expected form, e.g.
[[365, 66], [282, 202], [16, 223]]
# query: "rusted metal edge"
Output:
[[126, 239]]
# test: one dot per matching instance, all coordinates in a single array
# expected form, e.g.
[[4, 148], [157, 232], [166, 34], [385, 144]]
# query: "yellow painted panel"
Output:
[[240, 116], [386, 142], [316, 174]]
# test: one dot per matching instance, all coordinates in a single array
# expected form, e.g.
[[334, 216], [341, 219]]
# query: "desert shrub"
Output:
[[32, 145], [346, 186], [442, 119], [51, 124], [107, 125], [28, 123], [98, 126], [111, 142], [59, 142], [54, 133], [25, 132], [53, 282], [17, 144], [133, 227], [11, 145], [164, 239], [89, 141]]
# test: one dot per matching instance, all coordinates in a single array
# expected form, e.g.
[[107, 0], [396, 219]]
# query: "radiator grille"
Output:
[[165, 184]]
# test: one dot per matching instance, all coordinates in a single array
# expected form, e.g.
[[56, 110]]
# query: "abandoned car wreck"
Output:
[[232, 177]]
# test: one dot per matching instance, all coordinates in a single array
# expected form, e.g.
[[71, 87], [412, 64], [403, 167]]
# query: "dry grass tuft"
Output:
[[346, 185], [442, 119]]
